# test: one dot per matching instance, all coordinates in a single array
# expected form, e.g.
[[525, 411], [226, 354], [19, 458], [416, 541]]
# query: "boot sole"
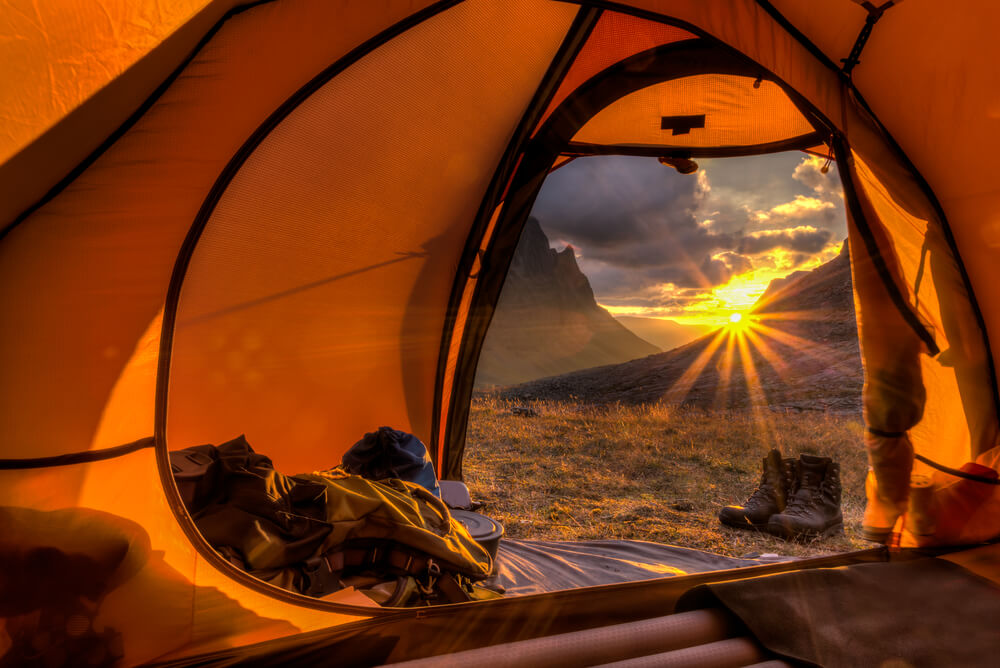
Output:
[[781, 531], [745, 526]]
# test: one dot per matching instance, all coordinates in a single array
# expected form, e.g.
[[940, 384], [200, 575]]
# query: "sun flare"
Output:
[[735, 318]]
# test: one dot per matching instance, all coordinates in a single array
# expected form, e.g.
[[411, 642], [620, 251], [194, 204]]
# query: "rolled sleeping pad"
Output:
[[731, 653], [598, 645]]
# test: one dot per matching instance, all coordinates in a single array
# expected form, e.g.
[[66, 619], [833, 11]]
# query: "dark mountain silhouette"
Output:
[[666, 334], [547, 321], [799, 352]]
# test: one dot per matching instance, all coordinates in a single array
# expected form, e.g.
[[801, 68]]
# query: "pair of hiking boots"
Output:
[[796, 498]]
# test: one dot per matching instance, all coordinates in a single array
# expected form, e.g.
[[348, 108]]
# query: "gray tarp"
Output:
[[535, 566]]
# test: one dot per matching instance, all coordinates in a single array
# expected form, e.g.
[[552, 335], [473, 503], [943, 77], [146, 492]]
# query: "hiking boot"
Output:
[[813, 508], [769, 497]]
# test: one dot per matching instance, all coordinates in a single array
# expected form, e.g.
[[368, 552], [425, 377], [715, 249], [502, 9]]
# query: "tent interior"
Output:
[[292, 219]]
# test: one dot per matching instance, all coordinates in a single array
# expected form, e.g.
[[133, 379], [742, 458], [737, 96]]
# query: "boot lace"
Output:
[[804, 499], [764, 495]]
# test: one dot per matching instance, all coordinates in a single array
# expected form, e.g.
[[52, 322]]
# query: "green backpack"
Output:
[[316, 533]]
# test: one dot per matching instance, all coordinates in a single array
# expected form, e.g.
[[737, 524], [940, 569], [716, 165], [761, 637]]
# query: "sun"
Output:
[[735, 318]]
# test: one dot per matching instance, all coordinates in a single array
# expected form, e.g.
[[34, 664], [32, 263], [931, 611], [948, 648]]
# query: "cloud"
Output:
[[800, 210], [649, 237], [662, 301], [715, 272], [804, 239], [738, 264], [809, 173], [800, 207], [624, 213], [718, 269]]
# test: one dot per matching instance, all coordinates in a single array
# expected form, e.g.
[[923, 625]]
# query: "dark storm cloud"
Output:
[[637, 225], [626, 213], [801, 239]]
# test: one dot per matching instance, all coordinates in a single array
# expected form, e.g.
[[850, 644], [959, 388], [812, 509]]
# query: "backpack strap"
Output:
[[319, 579], [452, 589], [431, 582]]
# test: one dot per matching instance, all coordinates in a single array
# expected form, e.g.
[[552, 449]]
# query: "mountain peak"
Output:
[[548, 321]]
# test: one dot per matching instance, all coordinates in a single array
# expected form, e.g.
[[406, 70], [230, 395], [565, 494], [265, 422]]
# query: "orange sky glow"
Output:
[[736, 296]]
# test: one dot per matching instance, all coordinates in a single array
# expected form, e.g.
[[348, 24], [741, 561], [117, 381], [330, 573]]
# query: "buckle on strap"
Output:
[[319, 577]]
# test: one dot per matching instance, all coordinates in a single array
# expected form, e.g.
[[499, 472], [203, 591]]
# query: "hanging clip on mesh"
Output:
[[874, 14], [829, 158]]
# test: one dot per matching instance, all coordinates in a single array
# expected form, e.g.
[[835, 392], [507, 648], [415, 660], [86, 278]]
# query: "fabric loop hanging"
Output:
[[874, 14]]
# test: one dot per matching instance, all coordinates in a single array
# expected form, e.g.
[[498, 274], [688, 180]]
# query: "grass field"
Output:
[[649, 473]]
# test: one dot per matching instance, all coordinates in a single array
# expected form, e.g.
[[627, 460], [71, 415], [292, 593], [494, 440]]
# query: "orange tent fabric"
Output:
[[290, 218]]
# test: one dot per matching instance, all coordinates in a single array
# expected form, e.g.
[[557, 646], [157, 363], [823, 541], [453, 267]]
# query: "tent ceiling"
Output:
[[731, 110]]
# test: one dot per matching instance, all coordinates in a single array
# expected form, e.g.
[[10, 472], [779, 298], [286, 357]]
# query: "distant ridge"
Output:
[[547, 321], [801, 354], [666, 334]]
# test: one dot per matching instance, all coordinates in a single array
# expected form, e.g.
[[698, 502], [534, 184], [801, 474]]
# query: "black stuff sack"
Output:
[[390, 453]]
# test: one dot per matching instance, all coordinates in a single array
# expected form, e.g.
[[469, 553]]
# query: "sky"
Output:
[[692, 248]]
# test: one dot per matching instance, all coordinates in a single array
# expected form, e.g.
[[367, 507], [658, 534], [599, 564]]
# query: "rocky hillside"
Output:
[[547, 321], [799, 352]]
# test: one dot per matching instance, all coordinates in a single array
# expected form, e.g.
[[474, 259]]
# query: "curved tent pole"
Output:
[[800, 143], [575, 38], [173, 299]]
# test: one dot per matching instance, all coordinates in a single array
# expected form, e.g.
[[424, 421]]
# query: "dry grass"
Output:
[[576, 472]]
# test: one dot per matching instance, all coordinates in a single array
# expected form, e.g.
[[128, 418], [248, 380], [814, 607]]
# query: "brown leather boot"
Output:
[[813, 508], [769, 497]]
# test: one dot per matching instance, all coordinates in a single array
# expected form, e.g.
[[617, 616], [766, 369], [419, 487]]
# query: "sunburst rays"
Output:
[[742, 360]]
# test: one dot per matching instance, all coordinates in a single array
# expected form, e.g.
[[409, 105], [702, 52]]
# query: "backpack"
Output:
[[316, 533]]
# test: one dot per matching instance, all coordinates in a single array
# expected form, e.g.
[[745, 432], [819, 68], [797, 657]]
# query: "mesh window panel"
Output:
[[314, 303], [738, 111]]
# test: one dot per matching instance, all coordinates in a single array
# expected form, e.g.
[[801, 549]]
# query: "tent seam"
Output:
[[84, 457], [129, 122]]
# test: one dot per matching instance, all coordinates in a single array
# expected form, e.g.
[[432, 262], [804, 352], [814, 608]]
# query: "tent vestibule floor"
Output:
[[536, 566], [632, 594]]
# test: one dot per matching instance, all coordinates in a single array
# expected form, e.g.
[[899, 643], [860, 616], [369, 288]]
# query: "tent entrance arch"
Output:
[[246, 348], [736, 101]]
